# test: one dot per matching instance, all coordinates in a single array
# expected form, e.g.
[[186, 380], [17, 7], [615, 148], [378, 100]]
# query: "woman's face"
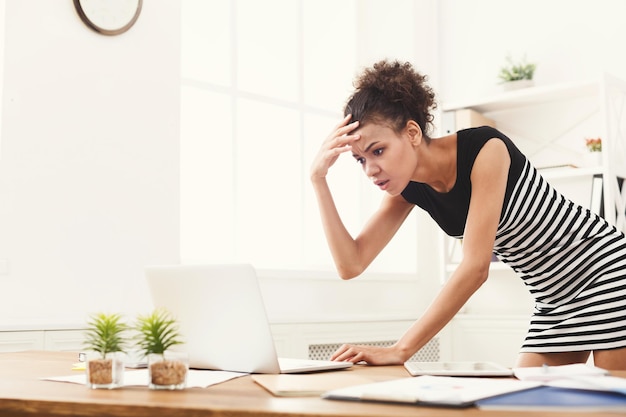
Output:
[[389, 159]]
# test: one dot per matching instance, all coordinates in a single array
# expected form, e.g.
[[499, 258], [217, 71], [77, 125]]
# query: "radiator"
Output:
[[428, 353]]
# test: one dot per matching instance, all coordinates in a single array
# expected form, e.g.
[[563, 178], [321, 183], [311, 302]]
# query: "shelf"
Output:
[[548, 119], [569, 172], [527, 96]]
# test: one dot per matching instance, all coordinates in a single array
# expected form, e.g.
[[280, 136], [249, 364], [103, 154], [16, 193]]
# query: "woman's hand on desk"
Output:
[[373, 355]]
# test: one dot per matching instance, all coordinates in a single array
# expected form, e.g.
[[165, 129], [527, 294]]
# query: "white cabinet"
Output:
[[21, 340], [487, 338], [58, 340], [64, 340]]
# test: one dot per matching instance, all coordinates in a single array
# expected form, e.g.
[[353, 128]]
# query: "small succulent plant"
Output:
[[157, 332], [514, 71], [105, 333]]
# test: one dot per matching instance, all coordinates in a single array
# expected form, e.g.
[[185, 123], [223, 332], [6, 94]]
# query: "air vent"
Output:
[[429, 353]]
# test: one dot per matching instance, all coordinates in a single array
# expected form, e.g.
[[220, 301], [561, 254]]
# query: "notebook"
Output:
[[309, 385], [222, 319], [575, 387], [548, 398], [429, 390]]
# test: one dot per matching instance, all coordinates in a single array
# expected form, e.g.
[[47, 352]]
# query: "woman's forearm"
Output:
[[342, 245], [453, 295]]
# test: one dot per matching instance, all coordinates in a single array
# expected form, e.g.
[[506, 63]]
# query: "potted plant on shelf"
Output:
[[105, 341], [594, 156], [515, 75], [593, 144], [156, 334]]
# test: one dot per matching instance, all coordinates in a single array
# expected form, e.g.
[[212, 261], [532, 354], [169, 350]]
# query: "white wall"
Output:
[[90, 126], [89, 174], [569, 40], [89, 164]]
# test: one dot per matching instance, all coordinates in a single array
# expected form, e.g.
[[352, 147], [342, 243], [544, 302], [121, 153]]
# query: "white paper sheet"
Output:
[[195, 378], [594, 383], [552, 373]]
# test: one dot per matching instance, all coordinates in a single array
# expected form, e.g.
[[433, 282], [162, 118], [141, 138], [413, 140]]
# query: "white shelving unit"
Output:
[[549, 124], [526, 97]]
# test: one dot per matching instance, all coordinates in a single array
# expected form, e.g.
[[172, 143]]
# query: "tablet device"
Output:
[[457, 369]]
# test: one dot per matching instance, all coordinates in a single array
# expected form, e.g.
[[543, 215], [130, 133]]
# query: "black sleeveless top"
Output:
[[450, 209]]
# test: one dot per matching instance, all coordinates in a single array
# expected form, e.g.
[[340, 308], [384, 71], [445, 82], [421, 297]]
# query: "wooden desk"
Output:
[[22, 393]]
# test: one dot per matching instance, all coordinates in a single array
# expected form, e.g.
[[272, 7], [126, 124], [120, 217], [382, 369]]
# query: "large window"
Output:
[[262, 85]]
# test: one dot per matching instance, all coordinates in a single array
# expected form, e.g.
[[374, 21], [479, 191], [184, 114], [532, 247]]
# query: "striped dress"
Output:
[[571, 260]]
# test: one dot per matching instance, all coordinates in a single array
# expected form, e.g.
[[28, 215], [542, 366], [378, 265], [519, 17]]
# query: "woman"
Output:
[[477, 186]]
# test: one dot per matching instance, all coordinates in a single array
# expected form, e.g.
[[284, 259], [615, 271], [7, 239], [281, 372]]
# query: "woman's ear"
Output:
[[414, 132]]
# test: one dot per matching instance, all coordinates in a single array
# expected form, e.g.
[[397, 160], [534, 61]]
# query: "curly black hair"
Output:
[[392, 92]]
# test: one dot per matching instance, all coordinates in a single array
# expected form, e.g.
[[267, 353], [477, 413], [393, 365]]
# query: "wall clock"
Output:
[[109, 17]]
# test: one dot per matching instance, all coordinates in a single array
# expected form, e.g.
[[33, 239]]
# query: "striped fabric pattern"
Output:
[[572, 261]]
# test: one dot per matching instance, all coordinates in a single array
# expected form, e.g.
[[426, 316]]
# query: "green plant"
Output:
[[157, 332], [513, 71], [105, 333]]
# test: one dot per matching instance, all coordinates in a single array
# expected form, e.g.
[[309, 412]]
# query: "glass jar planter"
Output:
[[168, 371], [105, 373]]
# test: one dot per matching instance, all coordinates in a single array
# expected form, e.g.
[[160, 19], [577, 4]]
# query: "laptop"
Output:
[[222, 319]]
